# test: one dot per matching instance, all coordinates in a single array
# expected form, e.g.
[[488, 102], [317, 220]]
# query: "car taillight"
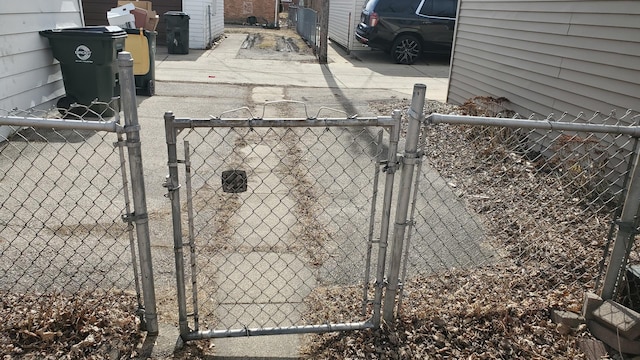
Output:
[[373, 19]]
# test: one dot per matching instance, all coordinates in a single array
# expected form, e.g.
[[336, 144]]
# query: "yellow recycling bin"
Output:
[[142, 46]]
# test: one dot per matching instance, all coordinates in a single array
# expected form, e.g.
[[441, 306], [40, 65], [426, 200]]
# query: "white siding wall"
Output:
[[344, 16], [29, 76], [549, 56], [206, 21]]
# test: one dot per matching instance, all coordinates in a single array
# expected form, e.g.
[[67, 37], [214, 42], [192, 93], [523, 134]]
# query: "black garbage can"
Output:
[[177, 32], [142, 46], [88, 60]]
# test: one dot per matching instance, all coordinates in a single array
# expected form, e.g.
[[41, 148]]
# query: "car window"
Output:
[[440, 8], [395, 6]]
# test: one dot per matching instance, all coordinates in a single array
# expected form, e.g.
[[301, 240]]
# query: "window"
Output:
[[440, 8], [396, 6]]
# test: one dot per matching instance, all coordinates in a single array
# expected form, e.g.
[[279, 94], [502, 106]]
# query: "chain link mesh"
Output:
[[64, 246], [262, 256], [518, 219]]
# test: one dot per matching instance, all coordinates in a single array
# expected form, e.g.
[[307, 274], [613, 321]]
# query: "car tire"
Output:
[[406, 49]]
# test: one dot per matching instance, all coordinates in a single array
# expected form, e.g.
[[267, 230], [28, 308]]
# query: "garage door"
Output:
[[95, 13]]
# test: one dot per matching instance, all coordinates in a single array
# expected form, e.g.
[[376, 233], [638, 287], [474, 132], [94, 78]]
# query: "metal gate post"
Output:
[[172, 184], [392, 156], [626, 234], [409, 160], [140, 215]]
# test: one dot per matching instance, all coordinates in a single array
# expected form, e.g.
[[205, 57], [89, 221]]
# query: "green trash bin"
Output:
[[142, 46], [177, 24], [88, 60]]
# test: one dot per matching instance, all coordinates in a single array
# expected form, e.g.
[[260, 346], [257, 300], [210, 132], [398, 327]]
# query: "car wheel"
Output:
[[406, 50]]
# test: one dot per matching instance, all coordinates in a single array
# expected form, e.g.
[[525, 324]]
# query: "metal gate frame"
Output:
[[392, 124]]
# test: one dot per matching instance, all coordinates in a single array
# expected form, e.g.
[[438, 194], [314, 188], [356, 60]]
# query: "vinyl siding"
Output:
[[204, 25], [29, 76], [548, 56], [344, 16]]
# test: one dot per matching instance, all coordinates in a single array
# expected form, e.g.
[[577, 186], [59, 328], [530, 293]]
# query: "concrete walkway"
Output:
[[366, 70]]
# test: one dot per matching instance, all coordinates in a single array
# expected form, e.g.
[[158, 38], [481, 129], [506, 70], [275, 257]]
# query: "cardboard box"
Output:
[[152, 21], [146, 5], [121, 16], [139, 8]]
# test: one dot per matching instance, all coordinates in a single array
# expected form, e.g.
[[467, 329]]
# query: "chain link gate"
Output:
[[275, 212]]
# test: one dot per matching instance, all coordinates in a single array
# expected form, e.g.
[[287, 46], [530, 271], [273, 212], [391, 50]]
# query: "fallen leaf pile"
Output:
[[54, 326], [491, 313]]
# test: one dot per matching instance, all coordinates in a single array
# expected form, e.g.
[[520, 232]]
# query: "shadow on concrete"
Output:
[[163, 55], [436, 65], [349, 108], [164, 345]]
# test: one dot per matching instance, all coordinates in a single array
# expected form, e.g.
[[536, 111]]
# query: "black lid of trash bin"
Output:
[[93, 31], [176, 13]]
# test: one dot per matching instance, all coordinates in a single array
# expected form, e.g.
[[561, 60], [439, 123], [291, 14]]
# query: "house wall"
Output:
[[237, 11], [29, 75], [344, 16], [206, 22], [548, 56]]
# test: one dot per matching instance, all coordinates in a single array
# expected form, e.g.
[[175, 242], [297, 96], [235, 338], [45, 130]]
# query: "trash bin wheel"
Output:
[[68, 111], [65, 102], [150, 89]]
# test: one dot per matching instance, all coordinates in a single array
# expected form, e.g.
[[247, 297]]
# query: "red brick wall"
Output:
[[237, 11]]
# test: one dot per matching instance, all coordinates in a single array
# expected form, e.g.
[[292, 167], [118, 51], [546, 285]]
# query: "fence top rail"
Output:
[[631, 130], [66, 124], [280, 122]]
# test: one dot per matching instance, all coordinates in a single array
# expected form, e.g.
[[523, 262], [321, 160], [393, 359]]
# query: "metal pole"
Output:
[[109, 126], [173, 187], [304, 329], [392, 165], [533, 124], [372, 219], [625, 237], [140, 215], [406, 179]]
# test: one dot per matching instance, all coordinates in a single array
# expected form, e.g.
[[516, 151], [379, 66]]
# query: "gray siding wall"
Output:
[[549, 56]]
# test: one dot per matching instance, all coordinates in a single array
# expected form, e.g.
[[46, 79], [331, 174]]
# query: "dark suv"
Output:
[[406, 28]]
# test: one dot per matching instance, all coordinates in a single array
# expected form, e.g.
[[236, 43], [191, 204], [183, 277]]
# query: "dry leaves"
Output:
[[55, 326]]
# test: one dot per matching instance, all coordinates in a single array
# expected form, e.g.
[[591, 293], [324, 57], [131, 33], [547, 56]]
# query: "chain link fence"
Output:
[[62, 203], [63, 242], [281, 226], [70, 281], [508, 222], [305, 21]]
